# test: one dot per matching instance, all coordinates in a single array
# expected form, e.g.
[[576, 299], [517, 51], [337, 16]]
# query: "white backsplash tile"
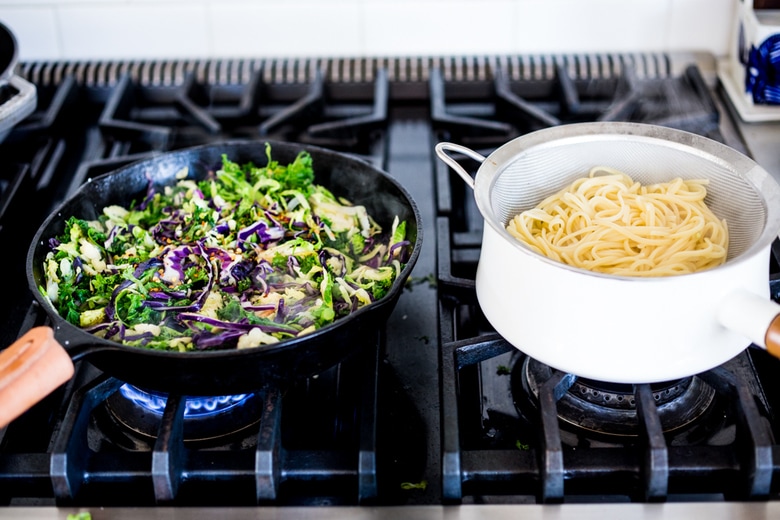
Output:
[[305, 28], [133, 30], [36, 30], [592, 26], [412, 27], [104, 29], [694, 24]]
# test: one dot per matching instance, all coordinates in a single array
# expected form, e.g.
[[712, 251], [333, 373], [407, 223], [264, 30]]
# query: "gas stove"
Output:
[[439, 411]]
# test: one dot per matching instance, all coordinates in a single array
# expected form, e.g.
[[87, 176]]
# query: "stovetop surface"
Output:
[[426, 415]]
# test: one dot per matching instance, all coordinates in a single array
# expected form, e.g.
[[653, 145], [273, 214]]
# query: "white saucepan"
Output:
[[614, 328]]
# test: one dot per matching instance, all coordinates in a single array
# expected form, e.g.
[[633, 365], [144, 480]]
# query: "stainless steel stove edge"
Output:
[[667, 511]]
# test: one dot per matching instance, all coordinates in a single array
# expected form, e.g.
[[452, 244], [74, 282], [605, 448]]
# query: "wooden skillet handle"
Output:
[[772, 338], [30, 369]]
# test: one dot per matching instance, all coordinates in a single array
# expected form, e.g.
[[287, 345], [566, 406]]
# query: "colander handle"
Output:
[[443, 148]]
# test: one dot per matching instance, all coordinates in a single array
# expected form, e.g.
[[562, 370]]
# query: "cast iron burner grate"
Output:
[[515, 430], [596, 410], [252, 452], [414, 415], [679, 102], [505, 441], [313, 443]]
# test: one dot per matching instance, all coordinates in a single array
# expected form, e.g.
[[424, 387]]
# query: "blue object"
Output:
[[762, 72]]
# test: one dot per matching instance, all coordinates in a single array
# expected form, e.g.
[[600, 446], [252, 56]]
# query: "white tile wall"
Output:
[[106, 29], [289, 28]]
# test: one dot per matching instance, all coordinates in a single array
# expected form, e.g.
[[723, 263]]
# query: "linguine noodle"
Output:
[[608, 223]]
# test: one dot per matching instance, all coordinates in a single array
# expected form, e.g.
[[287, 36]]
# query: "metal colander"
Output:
[[521, 173]]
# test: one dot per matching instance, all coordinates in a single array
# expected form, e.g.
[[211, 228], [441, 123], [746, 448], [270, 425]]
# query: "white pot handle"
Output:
[[755, 317], [443, 148]]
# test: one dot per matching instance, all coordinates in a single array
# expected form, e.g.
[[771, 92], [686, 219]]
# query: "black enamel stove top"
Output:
[[438, 409]]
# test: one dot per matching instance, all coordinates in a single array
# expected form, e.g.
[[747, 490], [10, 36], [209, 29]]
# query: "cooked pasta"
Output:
[[607, 222]]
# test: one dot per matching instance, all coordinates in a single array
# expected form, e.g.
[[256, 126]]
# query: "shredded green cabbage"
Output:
[[246, 257]]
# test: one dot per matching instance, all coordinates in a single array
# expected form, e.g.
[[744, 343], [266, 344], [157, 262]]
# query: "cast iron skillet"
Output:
[[230, 371]]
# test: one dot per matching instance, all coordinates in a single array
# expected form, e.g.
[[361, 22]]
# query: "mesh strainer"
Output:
[[521, 173]]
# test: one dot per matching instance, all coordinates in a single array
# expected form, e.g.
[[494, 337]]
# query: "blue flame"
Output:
[[194, 406]]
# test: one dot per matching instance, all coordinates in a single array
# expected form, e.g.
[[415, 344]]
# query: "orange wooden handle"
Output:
[[30, 369], [772, 338]]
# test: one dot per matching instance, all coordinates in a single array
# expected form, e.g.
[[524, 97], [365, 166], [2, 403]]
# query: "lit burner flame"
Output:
[[194, 406]]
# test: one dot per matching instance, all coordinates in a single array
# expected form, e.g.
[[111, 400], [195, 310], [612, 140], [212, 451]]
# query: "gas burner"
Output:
[[205, 418], [609, 409]]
